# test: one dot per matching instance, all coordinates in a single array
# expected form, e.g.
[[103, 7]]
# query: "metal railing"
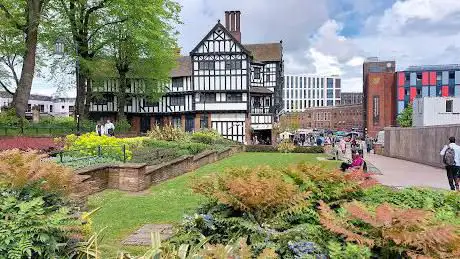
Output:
[[115, 152], [39, 130]]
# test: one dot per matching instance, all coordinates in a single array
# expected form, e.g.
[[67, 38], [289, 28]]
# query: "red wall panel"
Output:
[[432, 78], [413, 93], [401, 93], [445, 90], [425, 78], [401, 78]]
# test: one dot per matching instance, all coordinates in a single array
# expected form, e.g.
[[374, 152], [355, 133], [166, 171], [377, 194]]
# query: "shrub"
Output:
[[122, 126], [190, 147], [168, 133], [314, 149], [8, 118], [263, 192], [35, 216], [31, 228], [260, 148], [206, 136], [329, 185], [18, 169], [25, 143], [77, 163], [286, 146], [88, 145], [412, 232]]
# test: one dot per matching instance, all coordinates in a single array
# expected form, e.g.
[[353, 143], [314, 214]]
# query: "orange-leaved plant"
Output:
[[261, 191], [20, 168], [327, 184], [417, 233]]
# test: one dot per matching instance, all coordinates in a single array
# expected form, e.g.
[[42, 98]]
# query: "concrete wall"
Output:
[[138, 177], [421, 145]]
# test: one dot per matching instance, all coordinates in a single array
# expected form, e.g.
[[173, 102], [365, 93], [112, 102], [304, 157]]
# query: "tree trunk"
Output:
[[121, 97], [22, 93], [88, 97], [80, 100]]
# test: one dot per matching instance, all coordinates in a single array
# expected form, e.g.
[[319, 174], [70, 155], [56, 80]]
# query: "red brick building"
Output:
[[343, 117], [379, 88], [381, 102]]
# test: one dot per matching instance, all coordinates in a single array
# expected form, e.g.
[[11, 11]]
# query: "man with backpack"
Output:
[[451, 159]]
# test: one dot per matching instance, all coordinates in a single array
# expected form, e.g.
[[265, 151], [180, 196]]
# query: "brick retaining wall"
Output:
[[137, 177]]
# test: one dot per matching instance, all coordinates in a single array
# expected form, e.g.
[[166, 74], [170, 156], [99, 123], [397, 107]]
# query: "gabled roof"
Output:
[[260, 90], [33, 97], [219, 25], [265, 52], [184, 67]]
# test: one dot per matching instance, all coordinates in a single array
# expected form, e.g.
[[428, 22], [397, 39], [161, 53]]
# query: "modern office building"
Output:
[[301, 92], [47, 105], [379, 92], [433, 111], [350, 98], [427, 81], [225, 85]]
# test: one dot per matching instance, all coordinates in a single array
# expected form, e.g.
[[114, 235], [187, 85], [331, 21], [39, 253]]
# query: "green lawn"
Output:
[[122, 213]]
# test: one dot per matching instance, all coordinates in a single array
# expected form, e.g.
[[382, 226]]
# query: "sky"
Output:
[[329, 37]]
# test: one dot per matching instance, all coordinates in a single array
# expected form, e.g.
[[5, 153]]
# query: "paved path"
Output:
[[396, 172]]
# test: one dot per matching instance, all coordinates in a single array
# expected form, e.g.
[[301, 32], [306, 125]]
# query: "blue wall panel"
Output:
[[432, 90], [457, 77], [457, 90], [400, 106], [413, 79], [425, 91], [445, 77]]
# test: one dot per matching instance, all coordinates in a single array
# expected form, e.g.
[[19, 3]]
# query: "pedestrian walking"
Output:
[[343, 145], [109, 128], [99, 129], [451, 158], [368, 144]]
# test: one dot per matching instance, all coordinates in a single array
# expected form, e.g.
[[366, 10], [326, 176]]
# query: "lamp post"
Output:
[[59, 49], [78, 124]]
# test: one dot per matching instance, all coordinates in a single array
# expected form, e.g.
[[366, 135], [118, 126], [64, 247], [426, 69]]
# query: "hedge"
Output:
[[271, 149]]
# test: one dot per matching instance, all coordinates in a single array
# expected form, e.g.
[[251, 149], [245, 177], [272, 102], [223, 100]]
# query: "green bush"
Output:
[[314, 149], [122, 126], [77, 162], [190, 147], [206, 136], [286, 146], [32, 227], [168, 133], [260, 148], [88, 145], [8, 118]]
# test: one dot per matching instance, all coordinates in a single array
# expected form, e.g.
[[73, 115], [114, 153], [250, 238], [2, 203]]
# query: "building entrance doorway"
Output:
[[262, 137]]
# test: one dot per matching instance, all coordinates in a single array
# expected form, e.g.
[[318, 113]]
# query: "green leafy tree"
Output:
[[405, 118], [143, 46], [19, 22], [115, 38]]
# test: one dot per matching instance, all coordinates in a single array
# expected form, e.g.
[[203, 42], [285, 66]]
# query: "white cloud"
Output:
[[429, 12]]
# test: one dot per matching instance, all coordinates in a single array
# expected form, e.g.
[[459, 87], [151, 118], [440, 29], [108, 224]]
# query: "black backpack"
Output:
[[449, 157]]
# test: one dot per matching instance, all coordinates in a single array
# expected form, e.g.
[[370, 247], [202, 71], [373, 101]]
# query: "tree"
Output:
[[405, 118], [22, 19], [144, 44]]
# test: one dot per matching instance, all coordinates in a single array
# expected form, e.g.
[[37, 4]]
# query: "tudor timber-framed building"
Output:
[[224, 85]]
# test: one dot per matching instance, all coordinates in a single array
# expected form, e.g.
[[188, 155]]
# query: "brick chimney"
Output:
[[232, 23]]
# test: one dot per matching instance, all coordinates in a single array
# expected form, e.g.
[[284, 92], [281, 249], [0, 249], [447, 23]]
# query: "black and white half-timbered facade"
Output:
[[224, 85]]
